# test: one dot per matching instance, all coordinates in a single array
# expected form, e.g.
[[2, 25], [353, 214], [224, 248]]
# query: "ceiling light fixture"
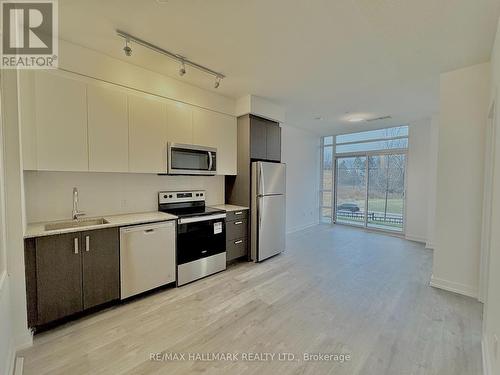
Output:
[[181, 59], [127, 49], [217, 82], [356, 119], [182, 69]]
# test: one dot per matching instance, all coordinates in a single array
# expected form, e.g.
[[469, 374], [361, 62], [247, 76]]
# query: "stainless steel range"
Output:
[[201, 234]]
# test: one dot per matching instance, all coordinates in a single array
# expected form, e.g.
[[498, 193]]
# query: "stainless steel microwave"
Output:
[[191, 159]]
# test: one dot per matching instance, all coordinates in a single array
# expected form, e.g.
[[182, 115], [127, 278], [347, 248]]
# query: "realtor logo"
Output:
[[29, 34]]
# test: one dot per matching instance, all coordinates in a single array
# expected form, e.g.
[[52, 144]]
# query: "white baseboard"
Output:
[[411, 237], [11, 361], [454, 287], [486, 356], [301, 227]]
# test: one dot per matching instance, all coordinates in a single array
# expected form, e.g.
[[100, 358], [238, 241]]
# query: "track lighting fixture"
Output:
[[181, 59], [217, 81], [182, 69], [127, 49]]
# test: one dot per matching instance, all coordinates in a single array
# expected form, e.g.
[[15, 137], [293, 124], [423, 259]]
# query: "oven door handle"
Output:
[[188, 220]]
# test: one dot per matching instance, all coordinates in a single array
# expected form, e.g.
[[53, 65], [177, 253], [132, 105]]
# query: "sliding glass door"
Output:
[[386, 186], [351, 190], [364, 173], [369, 190]]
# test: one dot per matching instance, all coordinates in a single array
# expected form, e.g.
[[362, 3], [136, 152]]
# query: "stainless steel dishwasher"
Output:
[[147, 257]]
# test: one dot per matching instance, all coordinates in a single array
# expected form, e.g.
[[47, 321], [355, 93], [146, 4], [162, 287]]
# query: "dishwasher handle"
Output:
[[148, 228]]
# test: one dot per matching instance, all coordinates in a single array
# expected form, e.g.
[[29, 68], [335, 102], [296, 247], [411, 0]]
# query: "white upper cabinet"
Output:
[[147, 134], [61, 123], [217, 130], [108, 129], [75, 123], [179, 122]]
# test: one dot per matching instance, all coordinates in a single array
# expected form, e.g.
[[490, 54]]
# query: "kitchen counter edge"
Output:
[[230, 207], [38, 229]]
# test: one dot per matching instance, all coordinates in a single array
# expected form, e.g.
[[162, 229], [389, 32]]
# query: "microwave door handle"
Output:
[[210, 160]]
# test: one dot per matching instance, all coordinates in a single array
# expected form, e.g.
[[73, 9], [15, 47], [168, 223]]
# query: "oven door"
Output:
[[191, 159], [200, 237]]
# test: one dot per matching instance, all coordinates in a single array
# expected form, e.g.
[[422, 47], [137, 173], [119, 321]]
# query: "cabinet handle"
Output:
[[87, 243], [76, 245], [238, 222], [238, 242], [238, 213]]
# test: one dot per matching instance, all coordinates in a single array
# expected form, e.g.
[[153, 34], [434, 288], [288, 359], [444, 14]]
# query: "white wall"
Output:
[[491, 326], [260, 107], [6, 339], [432, 182], [6, 334], [300, 152], [463, 116], [14, 215], [417, 180], [49, 194]]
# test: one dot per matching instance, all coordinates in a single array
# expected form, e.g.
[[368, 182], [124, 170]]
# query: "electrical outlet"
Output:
[[495, 346]]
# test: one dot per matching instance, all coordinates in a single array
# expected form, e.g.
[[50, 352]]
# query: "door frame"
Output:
[[367, 154]]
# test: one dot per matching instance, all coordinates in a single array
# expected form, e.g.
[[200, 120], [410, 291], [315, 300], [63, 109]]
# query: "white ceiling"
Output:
[[314, 57]]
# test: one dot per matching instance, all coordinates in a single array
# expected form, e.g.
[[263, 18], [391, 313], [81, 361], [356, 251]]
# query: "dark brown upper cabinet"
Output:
[[265, 139], [273, 145], [68, 273]]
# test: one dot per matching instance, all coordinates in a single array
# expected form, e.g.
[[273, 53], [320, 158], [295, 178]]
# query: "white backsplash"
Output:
[[49, 194]]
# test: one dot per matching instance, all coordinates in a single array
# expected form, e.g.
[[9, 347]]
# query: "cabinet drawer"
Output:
[[236, 229], [236, 248], [236, 215]]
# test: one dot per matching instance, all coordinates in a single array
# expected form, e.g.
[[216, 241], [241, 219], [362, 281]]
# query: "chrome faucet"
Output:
[[76, 213]]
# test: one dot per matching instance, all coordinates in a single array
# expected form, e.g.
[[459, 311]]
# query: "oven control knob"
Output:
[[170, 196], [165, 196]]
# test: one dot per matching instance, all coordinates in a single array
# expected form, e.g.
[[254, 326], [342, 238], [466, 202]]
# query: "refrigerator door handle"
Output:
[[259, 213], [260, 181]]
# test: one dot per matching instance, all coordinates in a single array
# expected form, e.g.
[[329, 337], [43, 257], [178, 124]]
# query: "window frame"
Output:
[[368, 153]]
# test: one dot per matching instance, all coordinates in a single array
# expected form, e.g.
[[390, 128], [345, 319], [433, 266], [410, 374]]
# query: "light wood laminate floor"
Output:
[[335, 290]]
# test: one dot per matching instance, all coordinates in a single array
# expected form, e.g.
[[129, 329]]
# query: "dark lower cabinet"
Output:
[[236, 235], [69, 273], [101, 267], [59, 276]]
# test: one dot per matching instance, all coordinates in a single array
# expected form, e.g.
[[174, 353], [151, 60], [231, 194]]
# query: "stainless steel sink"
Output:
[[76, 223]]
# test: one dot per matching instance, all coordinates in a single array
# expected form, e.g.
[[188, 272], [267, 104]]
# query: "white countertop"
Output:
[[230, 207], [38, 229]]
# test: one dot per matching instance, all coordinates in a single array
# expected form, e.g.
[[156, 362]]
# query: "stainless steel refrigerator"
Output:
[[268, 210]]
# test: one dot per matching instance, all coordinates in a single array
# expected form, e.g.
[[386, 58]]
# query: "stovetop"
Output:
[[188, 203]]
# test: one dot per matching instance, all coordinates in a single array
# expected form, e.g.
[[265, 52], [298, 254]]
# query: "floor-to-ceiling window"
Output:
[[363, 178], [326, 183]]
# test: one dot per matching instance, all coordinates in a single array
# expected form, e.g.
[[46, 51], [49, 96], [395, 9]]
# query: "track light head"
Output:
[[182, 69], [217, 82], [127, 49]]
